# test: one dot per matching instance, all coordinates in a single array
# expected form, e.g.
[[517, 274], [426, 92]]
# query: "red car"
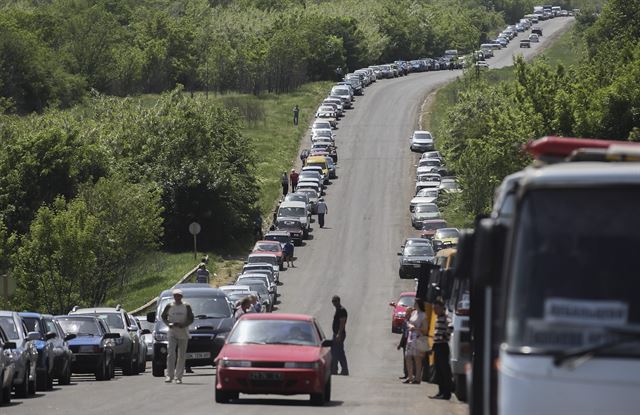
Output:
[[429, 227], [270, 247], [283, 354], [397, 317]]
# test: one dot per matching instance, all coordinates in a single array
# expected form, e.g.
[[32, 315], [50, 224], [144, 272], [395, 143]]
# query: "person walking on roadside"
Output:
[[287, 250], [339, 334], [403, 341], [322, 210], [296, 112], [177, 315], [284, 180], [417, 342], [441, 336], [256, 307], [202, 274], [303, 156], [293, 179]]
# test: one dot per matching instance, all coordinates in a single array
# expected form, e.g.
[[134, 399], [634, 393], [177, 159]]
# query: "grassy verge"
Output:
[[268, 121], [564, 50]]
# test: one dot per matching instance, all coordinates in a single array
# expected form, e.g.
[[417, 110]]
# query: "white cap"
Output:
[[177, 291]]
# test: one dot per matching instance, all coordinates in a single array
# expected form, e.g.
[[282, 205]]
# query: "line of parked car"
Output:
[[36, 349]]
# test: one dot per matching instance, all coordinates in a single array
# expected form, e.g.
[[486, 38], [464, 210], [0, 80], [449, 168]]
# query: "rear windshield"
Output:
[[9, 327], [79, 326]]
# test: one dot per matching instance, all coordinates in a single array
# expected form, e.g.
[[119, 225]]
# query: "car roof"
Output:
[[266, 241], [96, 310], [188, 289], [417, 240], [235, 287], [407, 294], [292, 203], [76, 316], [278, 316], [259, 254], [6, 313], [448, 229], [30, 314], [277, 233], [421, 132]]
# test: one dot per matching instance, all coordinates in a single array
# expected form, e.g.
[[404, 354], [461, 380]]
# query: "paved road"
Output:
[[354, 257]]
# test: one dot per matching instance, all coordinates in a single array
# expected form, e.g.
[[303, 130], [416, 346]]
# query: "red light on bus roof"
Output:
[[563, 146]]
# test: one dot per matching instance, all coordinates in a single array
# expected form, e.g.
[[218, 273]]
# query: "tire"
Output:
[[400, 273], [327, 390], [6, 395], [65, 379], [225, 397], [156, 370], [128, 368], [22, 391], [43, 380], [102, 372], [461, 388], [33, 383], [112, 369], [142, 366], [319, 399]]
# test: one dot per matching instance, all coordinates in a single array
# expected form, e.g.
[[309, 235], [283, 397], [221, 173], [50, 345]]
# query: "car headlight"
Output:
[[160, 336], [235, 363], [401, 314], [302, 365]]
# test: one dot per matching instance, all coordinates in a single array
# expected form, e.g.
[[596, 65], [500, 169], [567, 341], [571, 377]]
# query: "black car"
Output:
[[415, 252], [93, 347], [537, 30], [54, 354], [293, 226], [213, 321]]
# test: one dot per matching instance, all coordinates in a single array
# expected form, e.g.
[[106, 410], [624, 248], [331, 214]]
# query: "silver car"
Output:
[[25, 354], [147, 338]]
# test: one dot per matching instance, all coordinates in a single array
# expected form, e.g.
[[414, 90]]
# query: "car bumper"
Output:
[[396, 324], [86, 362], [291, 381], [411, 270], [201, 351], [421, 147]]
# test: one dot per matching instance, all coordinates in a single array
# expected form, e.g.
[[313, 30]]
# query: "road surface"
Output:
[[354, 257]]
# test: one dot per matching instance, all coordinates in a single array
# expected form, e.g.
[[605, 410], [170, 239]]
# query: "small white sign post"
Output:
[[194, 229]]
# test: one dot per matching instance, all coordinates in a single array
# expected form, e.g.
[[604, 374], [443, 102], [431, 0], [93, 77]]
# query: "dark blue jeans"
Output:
[[338, 356]]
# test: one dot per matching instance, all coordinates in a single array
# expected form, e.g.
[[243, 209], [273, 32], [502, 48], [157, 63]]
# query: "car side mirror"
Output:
[[112, 336], [133, 329], [70, 336], [399, 253], [151, 317], [145, 331], [392, 304], [51, 335], [34, 335], [490, 240], [327, 343], [9, 345]]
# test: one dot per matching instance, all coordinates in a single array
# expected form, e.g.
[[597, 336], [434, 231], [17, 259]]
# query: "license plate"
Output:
[[266, 376], [201, 355]]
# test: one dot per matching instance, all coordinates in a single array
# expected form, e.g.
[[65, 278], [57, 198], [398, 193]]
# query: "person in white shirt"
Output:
[[322, 210], [177, 315]]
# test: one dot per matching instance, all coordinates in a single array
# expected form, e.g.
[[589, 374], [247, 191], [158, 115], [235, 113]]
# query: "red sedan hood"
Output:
[[399, 308], [270, 353], [276, 253]]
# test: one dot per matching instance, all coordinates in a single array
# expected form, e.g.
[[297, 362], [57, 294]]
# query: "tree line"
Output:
[[599, 97], [52, 52]]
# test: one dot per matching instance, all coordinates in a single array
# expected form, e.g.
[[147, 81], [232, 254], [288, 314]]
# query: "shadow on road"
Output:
[[284, 402]]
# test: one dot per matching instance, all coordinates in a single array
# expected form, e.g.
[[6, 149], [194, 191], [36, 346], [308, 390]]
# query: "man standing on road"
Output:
[[339, 334], [441, 337], [296, 112], [288, 253], [202, 274], [284, 180], [293, 178], [322, 210], [177, 315]]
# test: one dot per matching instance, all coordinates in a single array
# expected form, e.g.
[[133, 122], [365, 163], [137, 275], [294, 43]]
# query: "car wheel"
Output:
[[142, 367], [400, 273], [102, 372], [43, 380], [327, 390], [6, 391], [157, 370], [225, 397], [22, 390], [128, 368], [32, 383], [461, 388], [66, 377]]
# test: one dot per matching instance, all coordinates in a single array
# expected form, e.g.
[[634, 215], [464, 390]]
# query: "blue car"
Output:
[[93, 347], [54, 355]]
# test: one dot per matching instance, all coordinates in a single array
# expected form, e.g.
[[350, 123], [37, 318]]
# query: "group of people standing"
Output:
[[291, 179], [415, 346]]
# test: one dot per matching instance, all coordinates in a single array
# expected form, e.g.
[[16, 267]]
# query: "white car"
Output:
[[309, 184], [449, 185], [423, 212], [298, 210], [271, 285], [321, 124], [342, 91], [421, 141], [428, 180], [534, 38], [431, 155], [313, 197], [326, 111], [323, 132], [426, 195]]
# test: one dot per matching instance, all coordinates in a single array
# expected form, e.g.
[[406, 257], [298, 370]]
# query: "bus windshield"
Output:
[[574, 278]]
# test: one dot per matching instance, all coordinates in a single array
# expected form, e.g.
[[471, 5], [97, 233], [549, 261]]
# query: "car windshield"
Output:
[[326, 109], [432, 226], [427, 193], [262, 258], [446, 233], [79, 326], [264, 246], [430, 163], [406, 300], [575, 276], [422, 136], [428, 178], [213, 307], [312, 193], [32, 323], [426, 208], [256, 285], [280, 238], [319, 164], [292, 332], [295, 212], [418, 250], [113, 320], [9, 327], [145, 324], [340, 91]]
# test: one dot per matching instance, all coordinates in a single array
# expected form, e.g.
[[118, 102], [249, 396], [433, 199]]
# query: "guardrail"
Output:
[[155, 299]]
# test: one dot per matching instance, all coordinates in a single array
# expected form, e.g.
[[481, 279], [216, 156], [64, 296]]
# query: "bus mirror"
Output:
[[463, 262], [489, 252]]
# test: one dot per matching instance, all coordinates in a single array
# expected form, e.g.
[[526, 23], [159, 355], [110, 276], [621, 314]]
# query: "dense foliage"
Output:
[[52, 52], [600, 97]]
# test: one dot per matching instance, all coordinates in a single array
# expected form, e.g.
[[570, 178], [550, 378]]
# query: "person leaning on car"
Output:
[[178, 316]]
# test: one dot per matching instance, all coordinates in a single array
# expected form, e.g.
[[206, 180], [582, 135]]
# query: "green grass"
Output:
[[565, 50], [269, 124]]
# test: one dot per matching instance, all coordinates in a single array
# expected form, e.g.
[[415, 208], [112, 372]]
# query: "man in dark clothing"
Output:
[[287, 250], [296, 112], [285, 183], [441, 337], [339, 334], [303, 156]]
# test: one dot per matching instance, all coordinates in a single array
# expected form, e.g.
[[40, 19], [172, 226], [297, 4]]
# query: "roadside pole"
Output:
[[194, 229]]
